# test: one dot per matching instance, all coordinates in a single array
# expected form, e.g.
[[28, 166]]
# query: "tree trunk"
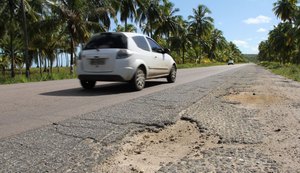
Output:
[[3, 71], [72, 56], [40, 61], [25, 41], [126, 27], [183, 54], [11, 40]]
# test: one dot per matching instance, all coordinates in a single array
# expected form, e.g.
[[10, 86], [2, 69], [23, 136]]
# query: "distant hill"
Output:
[[251, 57]]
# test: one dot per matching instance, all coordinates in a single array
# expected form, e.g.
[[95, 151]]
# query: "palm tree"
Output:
[[297, 36], [127, 9], [148, 14], [167, 24], [234, 53], [79, 18], [218, 43], [182, 40], [201, 24], [282, 41], [16, 12], [130, 28], [264, 51], [285, 9]]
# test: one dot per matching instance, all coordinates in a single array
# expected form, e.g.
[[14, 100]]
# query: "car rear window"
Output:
[[107, 41]]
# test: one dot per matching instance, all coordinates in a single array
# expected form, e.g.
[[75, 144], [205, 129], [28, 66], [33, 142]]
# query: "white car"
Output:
[[230, 62], [121, 56]]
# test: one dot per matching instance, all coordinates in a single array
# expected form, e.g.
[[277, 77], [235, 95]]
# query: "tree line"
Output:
[[38, 31], [283, 43]]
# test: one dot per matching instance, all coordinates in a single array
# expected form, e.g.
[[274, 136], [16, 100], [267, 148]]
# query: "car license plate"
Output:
[[98, 61]]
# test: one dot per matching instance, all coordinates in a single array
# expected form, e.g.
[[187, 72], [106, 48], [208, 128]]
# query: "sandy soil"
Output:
[[277, 102]]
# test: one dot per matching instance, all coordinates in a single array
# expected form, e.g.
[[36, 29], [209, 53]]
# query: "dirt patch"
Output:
[[149, 151], [253, 100]]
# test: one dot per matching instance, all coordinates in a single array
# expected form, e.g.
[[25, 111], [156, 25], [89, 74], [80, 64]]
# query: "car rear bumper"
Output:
[[97, 77]]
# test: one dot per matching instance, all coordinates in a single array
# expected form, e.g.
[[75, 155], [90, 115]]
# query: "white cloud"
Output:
[[258, 20], [261, 30], [241, 43]]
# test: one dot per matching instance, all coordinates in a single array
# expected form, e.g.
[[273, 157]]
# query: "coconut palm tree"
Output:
[[127, 9], [13, 24], [201, 24], [282, 41], [182, 40], [148, 14], [168, 23], [265, 51], [218, 43], [285, 9], [130, 28], [200, 21], [79, 19]]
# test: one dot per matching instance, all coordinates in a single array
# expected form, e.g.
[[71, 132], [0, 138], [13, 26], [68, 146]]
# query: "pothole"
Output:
[[149, 151], [253, 100]]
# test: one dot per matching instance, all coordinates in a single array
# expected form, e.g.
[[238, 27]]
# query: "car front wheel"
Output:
[[139, 79], [86, 84], [172, 76]]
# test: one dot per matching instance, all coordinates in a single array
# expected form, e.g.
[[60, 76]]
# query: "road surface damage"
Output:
[[250, 126]]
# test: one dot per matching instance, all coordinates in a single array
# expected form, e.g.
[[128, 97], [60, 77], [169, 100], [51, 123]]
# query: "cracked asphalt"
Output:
[[81, 143]]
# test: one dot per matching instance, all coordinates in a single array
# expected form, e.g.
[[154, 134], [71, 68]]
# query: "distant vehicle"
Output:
[[121, 56], [230, 62]]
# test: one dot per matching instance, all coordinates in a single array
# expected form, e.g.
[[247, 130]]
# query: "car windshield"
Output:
[[107, 41]]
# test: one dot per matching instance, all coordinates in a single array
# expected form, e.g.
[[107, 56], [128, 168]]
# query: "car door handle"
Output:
[[155, 57]]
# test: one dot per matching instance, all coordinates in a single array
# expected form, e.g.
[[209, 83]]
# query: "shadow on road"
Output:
[[104, 89]]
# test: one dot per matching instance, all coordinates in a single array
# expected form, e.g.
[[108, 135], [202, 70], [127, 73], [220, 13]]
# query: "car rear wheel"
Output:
[[172, 76], [86, 84], [139, 80]]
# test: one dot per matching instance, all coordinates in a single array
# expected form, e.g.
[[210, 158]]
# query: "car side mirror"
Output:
[[166, 51], [159, 50]]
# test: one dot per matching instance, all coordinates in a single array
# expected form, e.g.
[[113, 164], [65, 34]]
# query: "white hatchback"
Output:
[[121, 56]]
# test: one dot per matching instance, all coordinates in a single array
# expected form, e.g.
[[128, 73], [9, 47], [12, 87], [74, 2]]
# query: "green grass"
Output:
[[290, 71], [35, 76], [190, 65]]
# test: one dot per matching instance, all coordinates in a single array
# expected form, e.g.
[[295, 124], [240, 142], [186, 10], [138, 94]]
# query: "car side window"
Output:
[[154, 46], [141, 42]]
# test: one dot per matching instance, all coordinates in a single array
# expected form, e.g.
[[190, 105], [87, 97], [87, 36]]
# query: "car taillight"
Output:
[[122, 54]]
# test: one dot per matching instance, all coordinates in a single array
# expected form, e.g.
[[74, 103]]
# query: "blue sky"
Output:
[[244, 22]]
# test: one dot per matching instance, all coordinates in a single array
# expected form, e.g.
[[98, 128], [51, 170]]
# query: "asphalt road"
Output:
[[59, 127], [29, 106]]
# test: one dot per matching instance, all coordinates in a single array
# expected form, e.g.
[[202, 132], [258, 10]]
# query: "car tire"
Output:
[[139, 79], [87, 84], [172, 76]]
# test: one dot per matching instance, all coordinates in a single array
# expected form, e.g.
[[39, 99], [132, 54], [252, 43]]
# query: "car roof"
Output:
[[128, 34]]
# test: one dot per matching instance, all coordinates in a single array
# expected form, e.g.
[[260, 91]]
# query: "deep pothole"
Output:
[[149, 151]]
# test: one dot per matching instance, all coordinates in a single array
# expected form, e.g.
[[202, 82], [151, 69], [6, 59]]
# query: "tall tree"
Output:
[[201, 24], [148, 14], [79, 18], [282, 41], [168, 23], [127, 9], [218, 43], [285, 9], [182, 40], [130, 28]]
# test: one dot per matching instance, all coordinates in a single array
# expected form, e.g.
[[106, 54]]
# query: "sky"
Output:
[[244, 22]]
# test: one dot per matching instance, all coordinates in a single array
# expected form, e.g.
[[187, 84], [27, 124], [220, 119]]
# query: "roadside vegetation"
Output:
[[38, 36], [281, 51], [291, 71], [58, 73]]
